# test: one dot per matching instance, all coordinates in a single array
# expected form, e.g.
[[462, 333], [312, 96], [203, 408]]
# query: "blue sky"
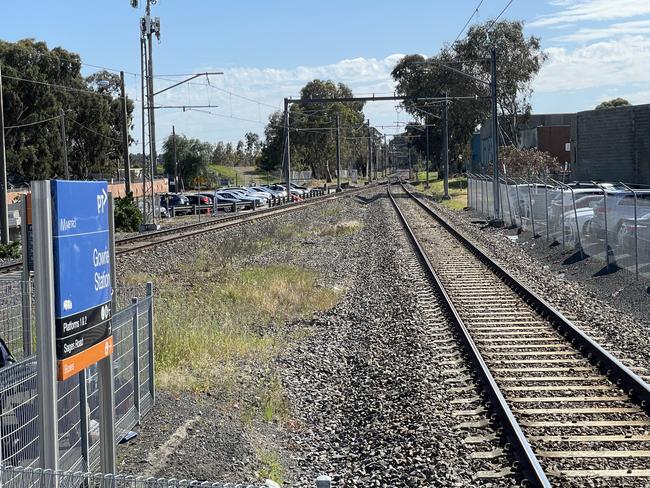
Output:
[[598, 49]]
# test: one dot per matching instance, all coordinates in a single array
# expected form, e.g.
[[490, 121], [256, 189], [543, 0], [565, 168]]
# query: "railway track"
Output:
[[572, 414], [150, 239]]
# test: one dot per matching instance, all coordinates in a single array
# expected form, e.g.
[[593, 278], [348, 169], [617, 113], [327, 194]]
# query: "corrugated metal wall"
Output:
[[614, 145]]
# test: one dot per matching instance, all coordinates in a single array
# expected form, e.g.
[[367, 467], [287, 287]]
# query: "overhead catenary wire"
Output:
[[19, 126], [61, 87], [494, 21], [474, 12]]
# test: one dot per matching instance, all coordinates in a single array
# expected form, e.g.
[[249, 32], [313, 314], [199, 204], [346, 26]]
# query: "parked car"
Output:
[[231, 195], [179, 203], [626, 236], [300, 190], [259, 200], [618, 207], [221, 199], [272, 193], [202, 200], [279, 189]]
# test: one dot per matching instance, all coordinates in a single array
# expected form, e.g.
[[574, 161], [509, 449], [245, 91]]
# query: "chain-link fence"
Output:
[[608, 221], [78, 396]]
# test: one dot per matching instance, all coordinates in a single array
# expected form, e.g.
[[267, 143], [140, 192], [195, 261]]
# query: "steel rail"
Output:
[[609, 365], [152, 239], [521, 449], [196, 228]]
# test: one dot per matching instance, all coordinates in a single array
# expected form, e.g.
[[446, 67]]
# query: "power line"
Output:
[[468, 21], [62, 87], [95, 132], [499, 16], [32, 123]]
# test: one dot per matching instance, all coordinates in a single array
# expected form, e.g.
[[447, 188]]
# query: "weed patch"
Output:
[[341, 229], [209, 322]]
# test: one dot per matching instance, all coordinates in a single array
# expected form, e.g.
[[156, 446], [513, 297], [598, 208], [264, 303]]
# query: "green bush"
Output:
[[127, 214], [10, 251]]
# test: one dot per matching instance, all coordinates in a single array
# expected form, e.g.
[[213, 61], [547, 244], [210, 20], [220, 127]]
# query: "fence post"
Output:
[[532, 213], [546, 205], [27, 315], [521, 219], [136, 355], [562, 207], [152, 387], [83, 413], [606, 230]]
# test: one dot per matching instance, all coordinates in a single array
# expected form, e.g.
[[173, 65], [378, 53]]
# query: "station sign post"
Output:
[[73, 275]]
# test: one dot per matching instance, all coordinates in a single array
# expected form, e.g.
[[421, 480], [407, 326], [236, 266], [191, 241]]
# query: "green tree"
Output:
[[192, 157], [40, 84], [613, 103], [313, 140], [519, 59]]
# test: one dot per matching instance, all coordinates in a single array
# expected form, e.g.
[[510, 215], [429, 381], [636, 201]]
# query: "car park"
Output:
[[179, 203], [619, 205], [638, 230], [201, 200], [279, 189], [239, 197]]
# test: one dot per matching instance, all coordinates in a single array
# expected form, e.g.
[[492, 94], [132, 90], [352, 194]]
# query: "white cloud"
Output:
[[592, 10], [619, 29], [618, 62], [268, 86]]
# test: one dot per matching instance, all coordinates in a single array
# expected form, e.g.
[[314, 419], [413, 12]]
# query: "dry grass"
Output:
[[343, 228], [209, 323]]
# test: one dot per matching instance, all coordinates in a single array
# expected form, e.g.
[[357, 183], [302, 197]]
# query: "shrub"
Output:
[[127, 214]]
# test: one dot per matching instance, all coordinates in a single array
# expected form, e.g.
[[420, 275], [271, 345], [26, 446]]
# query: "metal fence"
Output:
[[609, 222], [19, 477], [77, 397]]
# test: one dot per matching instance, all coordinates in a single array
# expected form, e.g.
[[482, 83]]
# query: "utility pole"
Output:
[[338, 152], [426, 128], [4, 216], [287, 147], [369, 163], [175, 159], [385, 155], [144, 135], [446, 148], [125, 136], [495, 138], [64, 146], [410, 167]]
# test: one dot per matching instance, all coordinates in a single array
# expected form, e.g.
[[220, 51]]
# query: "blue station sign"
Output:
[[82, 274]]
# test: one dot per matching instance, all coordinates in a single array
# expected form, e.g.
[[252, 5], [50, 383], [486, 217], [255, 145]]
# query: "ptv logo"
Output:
[[102, 198]]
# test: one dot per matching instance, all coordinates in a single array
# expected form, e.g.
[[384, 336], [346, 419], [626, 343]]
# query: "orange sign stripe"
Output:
[[74, 364]]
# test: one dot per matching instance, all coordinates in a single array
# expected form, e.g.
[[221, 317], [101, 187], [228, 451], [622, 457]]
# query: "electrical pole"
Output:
[[64, 146], [446, 148], [287, 147], [369, 164], [4, 216], [338, 153], [125, 136], [495, 138], [175, 159], [426, 128], [144, 135], [410, 167], [385, 156]]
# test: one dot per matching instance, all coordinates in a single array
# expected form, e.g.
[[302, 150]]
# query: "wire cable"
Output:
[[489, 29], [62, 87], [33, 123], [468, 21]]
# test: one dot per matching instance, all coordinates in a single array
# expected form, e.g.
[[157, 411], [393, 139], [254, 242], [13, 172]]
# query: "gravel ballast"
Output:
[[376, 389]]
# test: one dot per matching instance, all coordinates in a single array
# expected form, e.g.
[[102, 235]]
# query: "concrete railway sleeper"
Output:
[[572, 413]]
